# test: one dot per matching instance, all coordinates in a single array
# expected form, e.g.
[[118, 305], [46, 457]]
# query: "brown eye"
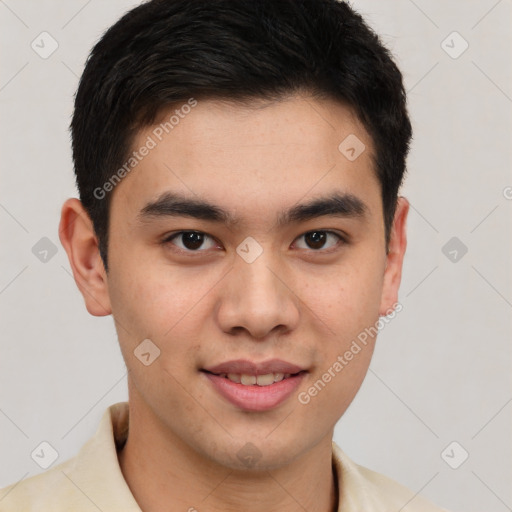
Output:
[[191, 241], [317, 239]]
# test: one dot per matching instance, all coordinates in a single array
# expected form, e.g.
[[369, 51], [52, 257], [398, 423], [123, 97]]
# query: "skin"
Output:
[[296, 301]]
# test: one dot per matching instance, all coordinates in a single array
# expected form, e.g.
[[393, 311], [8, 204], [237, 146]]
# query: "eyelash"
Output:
[[168, 239]]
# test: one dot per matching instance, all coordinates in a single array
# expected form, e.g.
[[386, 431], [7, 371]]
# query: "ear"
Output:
[[77, 236], [395, 258]]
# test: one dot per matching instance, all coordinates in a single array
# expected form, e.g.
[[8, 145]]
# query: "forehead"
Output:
[[255, 156], [294, 124]]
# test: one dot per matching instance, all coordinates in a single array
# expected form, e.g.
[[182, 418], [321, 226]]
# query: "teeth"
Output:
[[260, 380], [265, 380], [247, 380]]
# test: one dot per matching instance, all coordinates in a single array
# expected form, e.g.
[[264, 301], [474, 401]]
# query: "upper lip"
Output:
[[246, 367]]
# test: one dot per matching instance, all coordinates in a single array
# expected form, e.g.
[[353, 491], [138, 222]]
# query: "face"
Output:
[[256, 284]]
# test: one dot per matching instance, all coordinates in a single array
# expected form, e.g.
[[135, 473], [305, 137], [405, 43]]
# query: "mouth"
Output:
[[254, 392], [246, 379]]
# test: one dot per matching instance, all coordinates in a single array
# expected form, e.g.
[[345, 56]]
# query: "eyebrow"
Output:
[[170, 204]]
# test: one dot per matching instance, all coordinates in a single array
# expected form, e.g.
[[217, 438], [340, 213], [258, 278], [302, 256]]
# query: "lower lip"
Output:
[[255, 398]]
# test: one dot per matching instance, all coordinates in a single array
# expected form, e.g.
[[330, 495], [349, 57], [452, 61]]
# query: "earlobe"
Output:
[[395, 258], [77, 236]]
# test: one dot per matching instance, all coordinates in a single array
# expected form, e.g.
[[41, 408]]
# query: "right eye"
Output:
[[190, 241]]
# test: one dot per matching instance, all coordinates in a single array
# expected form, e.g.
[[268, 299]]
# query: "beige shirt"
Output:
[[92, 481]]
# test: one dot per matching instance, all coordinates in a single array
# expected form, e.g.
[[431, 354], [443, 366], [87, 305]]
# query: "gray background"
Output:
[[441, 370]]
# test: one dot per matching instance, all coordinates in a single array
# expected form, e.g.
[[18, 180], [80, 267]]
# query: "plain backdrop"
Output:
[[439, 385]]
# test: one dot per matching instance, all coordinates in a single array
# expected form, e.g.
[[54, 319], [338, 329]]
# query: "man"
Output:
[[238, 164]]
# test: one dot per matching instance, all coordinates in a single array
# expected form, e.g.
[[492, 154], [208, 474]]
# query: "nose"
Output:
[[259, 298]]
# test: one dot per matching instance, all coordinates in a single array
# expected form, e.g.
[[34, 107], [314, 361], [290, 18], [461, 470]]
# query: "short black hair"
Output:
[[164, 52]]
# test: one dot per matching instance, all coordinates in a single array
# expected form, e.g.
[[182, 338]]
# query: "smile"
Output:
[[258, 380], [255, 393]]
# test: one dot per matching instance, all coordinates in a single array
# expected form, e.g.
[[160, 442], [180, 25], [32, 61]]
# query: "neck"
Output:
[[160, 470]]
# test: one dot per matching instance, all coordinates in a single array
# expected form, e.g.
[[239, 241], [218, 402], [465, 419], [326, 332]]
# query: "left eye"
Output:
[[191, 241], [317, 239]]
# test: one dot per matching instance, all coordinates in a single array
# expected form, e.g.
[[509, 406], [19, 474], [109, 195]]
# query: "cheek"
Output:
[[347, 300], [152, 299], [165, 306], [333, 388], [349, 307]]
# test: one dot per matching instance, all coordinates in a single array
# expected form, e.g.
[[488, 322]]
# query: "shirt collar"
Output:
[[98, 464]]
